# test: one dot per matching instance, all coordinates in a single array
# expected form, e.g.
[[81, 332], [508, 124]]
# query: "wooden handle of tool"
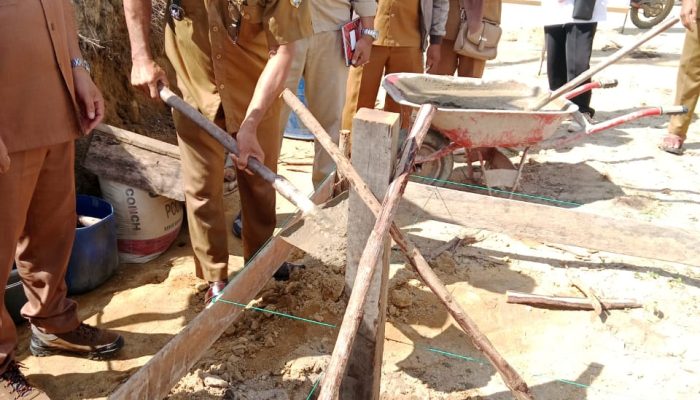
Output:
[[280, 183], [544, 100]]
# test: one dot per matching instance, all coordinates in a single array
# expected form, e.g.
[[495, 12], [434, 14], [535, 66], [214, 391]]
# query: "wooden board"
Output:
[[374, 147], [132, 159], [553, 224], [155, 379]]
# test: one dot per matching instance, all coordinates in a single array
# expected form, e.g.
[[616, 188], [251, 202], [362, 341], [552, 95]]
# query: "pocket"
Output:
[[8, 2]]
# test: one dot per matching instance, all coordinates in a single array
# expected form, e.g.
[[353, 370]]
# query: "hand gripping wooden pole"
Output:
[[415, 258], [280, 183]]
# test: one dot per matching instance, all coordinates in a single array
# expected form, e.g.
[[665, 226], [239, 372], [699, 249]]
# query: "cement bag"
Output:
[[147, 224]]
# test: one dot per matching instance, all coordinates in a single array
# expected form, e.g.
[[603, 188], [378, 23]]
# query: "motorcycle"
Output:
[[647, 13]]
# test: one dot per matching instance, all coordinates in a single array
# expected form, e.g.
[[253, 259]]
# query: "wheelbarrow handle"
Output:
[[597, 84], [607, 83], [674, 110], [280, 183]]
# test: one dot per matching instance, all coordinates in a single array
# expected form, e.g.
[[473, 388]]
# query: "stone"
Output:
[[215, 381]]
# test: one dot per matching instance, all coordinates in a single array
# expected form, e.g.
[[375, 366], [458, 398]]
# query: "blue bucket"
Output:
[[294, 128], [94, 258]]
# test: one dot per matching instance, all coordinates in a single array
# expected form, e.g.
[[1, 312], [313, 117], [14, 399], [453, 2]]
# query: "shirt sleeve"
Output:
[[365, 8], [284, 22]]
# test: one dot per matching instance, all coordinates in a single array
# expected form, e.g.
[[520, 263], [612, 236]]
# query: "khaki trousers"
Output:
[[319, 60], [37, 228], [219, 78], [363, 82], [687, 84]]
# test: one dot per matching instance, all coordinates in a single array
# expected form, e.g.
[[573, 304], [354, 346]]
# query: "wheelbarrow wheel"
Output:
[[437, 170]]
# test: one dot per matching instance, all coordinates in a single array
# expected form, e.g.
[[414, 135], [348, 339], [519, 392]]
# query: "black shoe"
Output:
[[285, 270], [14, 385], [237, 227], [85, 341]]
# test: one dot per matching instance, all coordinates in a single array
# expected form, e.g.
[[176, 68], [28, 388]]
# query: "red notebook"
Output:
[[351, 34]]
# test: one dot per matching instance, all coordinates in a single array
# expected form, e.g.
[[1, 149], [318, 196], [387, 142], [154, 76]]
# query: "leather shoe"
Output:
[[285, 270], [85, 340], [215, 289], [237, 227]]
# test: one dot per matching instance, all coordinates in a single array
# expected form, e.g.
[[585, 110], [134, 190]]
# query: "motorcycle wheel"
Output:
[[651, 13]]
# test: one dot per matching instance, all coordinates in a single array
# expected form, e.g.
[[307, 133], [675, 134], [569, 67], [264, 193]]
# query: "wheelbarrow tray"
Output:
[[481, 113]]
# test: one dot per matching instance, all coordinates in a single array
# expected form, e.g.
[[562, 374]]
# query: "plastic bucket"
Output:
[[294, 128], [94, 258]]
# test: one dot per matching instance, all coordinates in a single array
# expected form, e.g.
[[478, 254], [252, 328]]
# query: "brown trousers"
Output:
[[37, 228], [687, 84], [363, 82]]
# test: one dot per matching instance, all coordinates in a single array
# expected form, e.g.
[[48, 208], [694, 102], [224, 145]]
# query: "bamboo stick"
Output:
[[568, 303], [415, 258]]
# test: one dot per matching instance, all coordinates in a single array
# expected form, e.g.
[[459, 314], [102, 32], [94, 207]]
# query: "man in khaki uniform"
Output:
[[46, 100], [231, 59], [688, 82], [320, 61], [406, 29]]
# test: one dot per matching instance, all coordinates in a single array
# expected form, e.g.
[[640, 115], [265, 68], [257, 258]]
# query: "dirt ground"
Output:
[[637, 354]]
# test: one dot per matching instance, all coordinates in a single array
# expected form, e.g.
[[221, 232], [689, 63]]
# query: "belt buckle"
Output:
[[177, 12]]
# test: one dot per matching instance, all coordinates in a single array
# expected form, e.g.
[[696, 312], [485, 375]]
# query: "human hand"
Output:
[[148, 76], [248, 146], [4, 158], [432, 57], [363, 49], [689, 12], [90, 100]]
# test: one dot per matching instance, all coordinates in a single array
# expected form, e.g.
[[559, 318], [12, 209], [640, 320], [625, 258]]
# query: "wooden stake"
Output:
[[330, 384], [415, 258], [567, 303]]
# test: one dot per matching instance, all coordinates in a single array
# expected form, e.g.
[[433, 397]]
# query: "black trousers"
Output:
[[569, 48]]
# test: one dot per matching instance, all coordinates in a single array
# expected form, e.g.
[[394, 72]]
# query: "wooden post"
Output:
[[374, 146], [512, 379]]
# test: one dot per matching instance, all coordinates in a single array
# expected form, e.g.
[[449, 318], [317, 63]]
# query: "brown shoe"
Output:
[[85, 340], [215, 289], [13, 385]]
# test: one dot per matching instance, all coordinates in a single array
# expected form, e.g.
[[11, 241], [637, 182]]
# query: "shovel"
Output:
[[280, 183]]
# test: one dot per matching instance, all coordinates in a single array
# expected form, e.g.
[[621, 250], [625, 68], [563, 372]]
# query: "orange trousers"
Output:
[[37, 228]]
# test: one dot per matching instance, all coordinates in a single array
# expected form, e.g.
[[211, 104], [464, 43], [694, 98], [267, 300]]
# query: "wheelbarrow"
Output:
[[480, 115]]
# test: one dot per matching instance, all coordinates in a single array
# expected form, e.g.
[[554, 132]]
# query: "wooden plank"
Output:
[[374, 145], [567, 303], [133, 159], [155, 379], [553, 224]]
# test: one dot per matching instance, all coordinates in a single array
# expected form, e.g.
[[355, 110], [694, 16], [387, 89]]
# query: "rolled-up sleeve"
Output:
[[437, 26], [285, 23], [365, 8]]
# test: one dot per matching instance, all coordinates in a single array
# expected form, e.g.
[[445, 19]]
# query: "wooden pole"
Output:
[[542, 101], [567, 303], [280, 183], [330, 384], [155, 379], [415, 258]]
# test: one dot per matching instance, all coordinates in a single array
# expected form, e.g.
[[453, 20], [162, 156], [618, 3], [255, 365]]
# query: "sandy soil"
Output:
[[645, 353]]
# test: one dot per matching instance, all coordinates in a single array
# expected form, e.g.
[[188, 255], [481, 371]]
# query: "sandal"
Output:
[[672, 144]]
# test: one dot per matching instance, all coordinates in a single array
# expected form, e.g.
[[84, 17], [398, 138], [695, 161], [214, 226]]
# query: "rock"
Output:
[[215, 381], [445, 263], [202, 286], [269, 342], [401, 298], [301, 367]]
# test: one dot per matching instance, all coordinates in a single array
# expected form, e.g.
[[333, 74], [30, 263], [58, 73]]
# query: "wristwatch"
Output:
[[374, 34], [80, 63]]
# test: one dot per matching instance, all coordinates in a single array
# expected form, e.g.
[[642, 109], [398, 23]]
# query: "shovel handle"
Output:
[[280, 183]]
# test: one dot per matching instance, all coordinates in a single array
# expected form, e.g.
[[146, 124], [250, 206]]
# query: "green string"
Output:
[[573, 383], [280, 314], [313, 389], [479, 187], [453, 355]]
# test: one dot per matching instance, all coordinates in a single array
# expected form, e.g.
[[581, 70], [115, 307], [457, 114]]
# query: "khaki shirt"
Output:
[[330, 15], [36, 80], [398, 23], [211, 69]]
